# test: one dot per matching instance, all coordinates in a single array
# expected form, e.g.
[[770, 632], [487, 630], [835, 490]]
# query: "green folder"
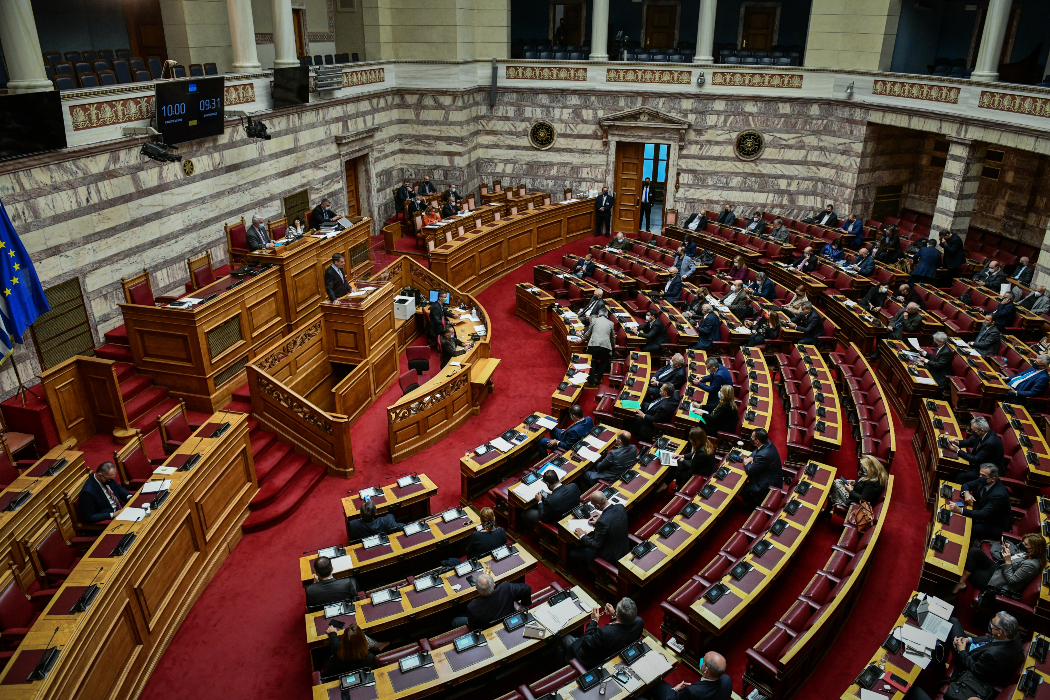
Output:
[[631, 404], [697, 416]]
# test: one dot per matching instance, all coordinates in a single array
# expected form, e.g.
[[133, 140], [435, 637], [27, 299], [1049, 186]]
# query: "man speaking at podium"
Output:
[[335, 283]]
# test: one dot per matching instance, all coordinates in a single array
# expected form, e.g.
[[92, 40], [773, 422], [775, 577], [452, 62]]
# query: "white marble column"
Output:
[[987, 68], [242, 36], [22, 47], [283, 34], [705, 32], [600, 30]]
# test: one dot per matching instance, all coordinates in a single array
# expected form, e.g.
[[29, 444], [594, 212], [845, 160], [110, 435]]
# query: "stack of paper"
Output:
[[344, 563], [557, 616], [581, 523], [589, 454], [527, 492], [741, 329], [850, 303], [165, 471], [547, 422], [915, 343], [960, 342], [557, 470], [583, 366], [667, 457], [131, 514], [940, 608], [156, 486], [501, 444], [579, 379], [594, 442], [480, 330]]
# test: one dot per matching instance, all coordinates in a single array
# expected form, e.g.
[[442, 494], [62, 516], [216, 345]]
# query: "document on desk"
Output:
[[480, 330], [917, 638], [131, 514], [594, 442], [557, 470], [573, 338], [579, 379], [343, 563], [972, 353], [527, 492], [667, 457], [937, 626], [589, 454], [741, 329], [501, 444], [926, 380], [920, 660], [866, 694], [914, 342], [940, 608], [581, 523], [849, 302], [165, 471], [581, 365], [555, 617], [960, 342], [156, 486], [547, 423]]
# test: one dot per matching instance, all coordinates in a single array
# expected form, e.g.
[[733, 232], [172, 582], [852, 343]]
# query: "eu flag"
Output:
[[21, 296]]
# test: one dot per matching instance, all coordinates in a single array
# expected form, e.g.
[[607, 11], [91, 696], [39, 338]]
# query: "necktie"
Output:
[[113, 502]]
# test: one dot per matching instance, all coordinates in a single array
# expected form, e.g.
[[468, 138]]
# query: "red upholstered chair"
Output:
[[394, 655], [447, 637], [201, 272], [175, 428], [408, 380], [237, 239], [53, 558], [134, 465], [86, 532], [965, 391], [548, 684], [138, 290], [418, 358], [17, 613], [8, 472]]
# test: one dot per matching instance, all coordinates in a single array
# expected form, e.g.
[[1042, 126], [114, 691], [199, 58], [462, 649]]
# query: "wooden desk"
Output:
[[404, 503], [625, 321], [834, 421], [936, 463], [476, 471], [628, 285], [567, 335], [502, 648], [862, 328], [110, 650], [942, 568], [647, 670], [635, 573], [476, 259], [563, 399], [531, 304], [646, 482], [791, 278], [199, 354], [1037, 477], [417, 606], [684, 418], [367, 564], [715, 618], [907, 389], [760, 388], [637, 372]]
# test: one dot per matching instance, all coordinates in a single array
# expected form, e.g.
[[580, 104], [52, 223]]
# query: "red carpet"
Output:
[[244, 638]]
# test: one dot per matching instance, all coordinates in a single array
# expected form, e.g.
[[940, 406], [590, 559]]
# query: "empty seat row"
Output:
[[328, 59], [53, 57], [557, 55], [865, 403]]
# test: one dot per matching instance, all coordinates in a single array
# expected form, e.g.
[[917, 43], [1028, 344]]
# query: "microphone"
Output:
[[46, 661], [87, 595]]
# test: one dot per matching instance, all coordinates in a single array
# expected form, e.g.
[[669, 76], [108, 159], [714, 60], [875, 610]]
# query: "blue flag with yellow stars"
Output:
[[22, 298]]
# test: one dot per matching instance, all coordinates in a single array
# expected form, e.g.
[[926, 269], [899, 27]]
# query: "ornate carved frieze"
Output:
[[1018, 104], [290, 346], [546, 73], [293, 404], [363, 77], [238, 94], [110, 112], [762, 80], [916, 91], [648, 75], [403, 413]]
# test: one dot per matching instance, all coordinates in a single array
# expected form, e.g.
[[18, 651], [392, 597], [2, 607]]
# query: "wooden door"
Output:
[[145, 28], [353, 204], [299, 21], [568, 23], [757, 31], [660, 24], [628, 186]]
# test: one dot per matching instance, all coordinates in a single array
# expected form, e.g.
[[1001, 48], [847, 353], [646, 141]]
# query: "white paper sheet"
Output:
[[741, 329], [921, 661], [594, 442], [915, 637], [581, 523], [667, 457], [925, 380], [165, 471], [527, 492], [581, 366], [344, 563], [557, 470], [131, 514], [939, 607], [578, 379], [501, 444], [547, 423], [573, 338], [972, 353], [914, 342], [156, 486], [960, 342], [866, 694], [589, 454]]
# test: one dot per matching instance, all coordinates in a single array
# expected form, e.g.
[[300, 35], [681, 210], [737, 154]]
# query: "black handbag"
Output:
[[967, 686]]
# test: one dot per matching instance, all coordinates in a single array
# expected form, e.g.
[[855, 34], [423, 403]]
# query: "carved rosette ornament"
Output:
[[749, 145], [542, 135]]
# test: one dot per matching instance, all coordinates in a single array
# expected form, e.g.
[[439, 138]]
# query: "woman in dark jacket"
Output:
[[724, 418], [698, 458], [868, 486], [764, 328], [889, 245], [488, 538], [1010, 566], [355, 650]]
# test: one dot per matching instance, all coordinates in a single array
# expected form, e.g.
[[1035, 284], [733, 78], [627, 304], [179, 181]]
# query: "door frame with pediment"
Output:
[[644, 125], [358, 147]]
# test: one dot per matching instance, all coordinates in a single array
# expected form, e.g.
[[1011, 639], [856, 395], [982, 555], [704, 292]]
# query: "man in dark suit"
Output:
[[954, 255], [875, 298], [450, 209], [717, 377], [863, 264], [609, 538], [616, 461], [939, 362], [654, 332], [595, 305], [553, 505], [335, 283], [418, 205], [102, 496], [1005, 312], [494, 602], [645, 206], [1030, 384], [321, 213], [1024, 271], [257, 236], [757, 225], [981, 447], [708, 330], [906, 295], [696, 222], [808, 262], [991, 276], [854, 232], [927, 260], [564, 439], [600, 642], [1036, 301], [673, 373], [765, 287], [672, 291], [451, 345], [825, 218], [906, 320], [451, 195], [988, 338], [987, 503], [714, 683], [809, 322], [440, 315], [727, 216], [584, 267], [994, 658], [603, 207], [403, 194], [370, 524], [659, 410], [326, 589], [763, 467], [427, 187]]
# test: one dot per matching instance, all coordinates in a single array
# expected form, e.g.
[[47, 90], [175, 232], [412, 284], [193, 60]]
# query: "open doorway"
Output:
[[654, 167], [568, 22]]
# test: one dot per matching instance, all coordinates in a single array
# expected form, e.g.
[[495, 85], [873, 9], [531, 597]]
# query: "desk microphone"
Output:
[[46, 661], [87, 595]]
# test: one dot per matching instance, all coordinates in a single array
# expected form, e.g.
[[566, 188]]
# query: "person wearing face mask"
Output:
[[709, 328], [739, 269], [938, 362], [1010, 566], [986, 502], [654, 332], [875, 298], [757, 226], [727, 216], [603, 207], [854, 231], [1036, 301], [427, 187], [321, 213], [1005, 313], [954, 255], [808, 262], [645, 206], [868, 486], [714, 683], [780, 232], [794, 307], [450, 209], [863, 264], [987, 340], [888, 246], [833, 251], [451, 195]]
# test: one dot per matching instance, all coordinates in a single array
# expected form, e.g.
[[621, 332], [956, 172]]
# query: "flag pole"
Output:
[[21, 389]]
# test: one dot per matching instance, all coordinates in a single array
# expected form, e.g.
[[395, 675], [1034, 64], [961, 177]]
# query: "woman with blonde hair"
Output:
[[739, 269], [1010, 566], [724, 417], [431, 215], [868, 486]]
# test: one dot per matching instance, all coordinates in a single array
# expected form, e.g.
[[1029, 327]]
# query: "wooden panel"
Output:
[[306, 289], [103, 393], [348, 339], [175, 557], [354, 394], [628, 186], [114, 659], [385, 366], [549, 232], [224, 492], [172, 348], [262, 313], [380, 326], [490, 256], [67, 399], [580, 223]]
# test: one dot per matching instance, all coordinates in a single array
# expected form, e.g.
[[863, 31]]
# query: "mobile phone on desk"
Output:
[[338, 624]]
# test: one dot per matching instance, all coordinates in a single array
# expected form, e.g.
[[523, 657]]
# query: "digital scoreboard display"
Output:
[[190, 109]]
